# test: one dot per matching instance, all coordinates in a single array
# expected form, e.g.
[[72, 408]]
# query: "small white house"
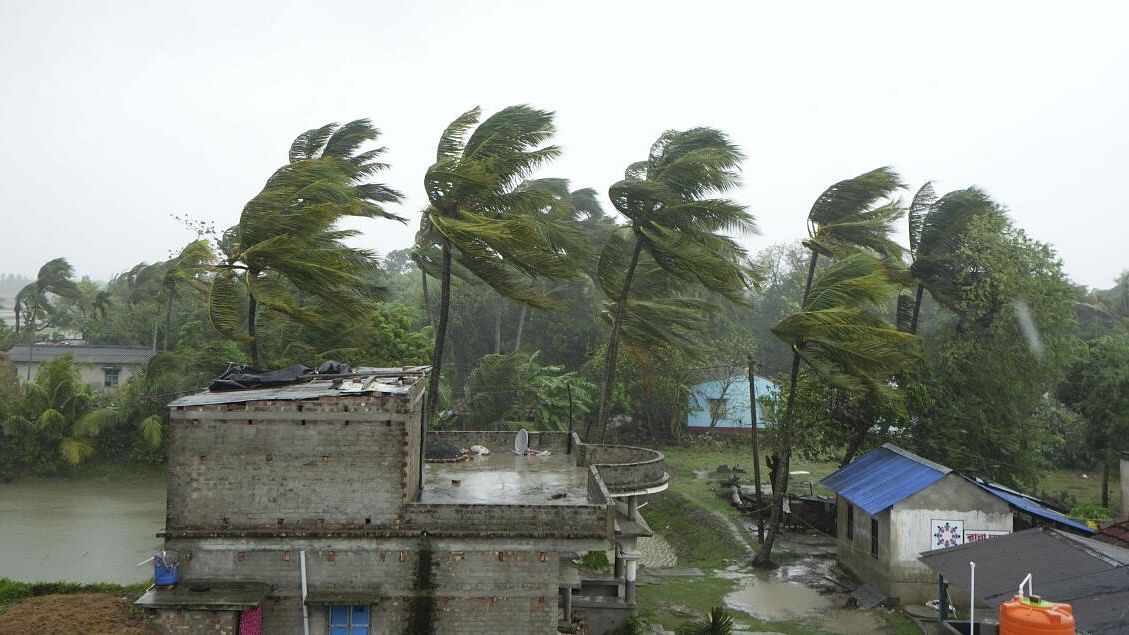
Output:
[[893, 505], [103, 367]]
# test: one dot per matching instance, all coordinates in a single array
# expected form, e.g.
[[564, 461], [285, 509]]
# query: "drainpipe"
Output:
[[629, 582], [305, 609], [972, 596]]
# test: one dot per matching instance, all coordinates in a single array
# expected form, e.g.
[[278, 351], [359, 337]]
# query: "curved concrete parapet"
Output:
[[626, 470]]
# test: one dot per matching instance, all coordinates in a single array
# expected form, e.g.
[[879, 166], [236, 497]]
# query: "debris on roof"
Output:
[[386, 381]]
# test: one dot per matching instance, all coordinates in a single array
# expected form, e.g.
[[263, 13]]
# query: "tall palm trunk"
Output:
[[252, 312], [784, 444], [31, 343], [156, 323], [427, 299], [498, 330], [440, 331], [613, 345], [168, 325], [916, 309], [520, 327]]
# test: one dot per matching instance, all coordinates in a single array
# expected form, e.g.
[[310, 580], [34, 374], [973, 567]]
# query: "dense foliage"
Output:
[[968, 345]]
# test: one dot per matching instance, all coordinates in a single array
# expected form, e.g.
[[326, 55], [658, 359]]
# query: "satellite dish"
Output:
[[521, 442]]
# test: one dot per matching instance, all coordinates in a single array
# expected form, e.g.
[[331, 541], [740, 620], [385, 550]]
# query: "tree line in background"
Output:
[[537, 307]]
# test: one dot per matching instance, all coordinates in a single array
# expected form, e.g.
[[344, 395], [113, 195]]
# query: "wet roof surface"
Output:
[[884, 476], [1091, 576], [504, 478]]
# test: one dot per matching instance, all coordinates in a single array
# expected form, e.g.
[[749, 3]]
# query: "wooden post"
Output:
[[756, 451]]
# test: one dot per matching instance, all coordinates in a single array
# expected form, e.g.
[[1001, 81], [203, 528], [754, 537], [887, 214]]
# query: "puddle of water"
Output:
[[771, 600]]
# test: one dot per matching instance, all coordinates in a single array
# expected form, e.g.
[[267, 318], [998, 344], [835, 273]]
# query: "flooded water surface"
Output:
[[80, 530]]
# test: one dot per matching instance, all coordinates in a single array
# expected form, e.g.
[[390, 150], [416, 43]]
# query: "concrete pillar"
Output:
[[567, 604], [632, 508], [1124, 469], [618, 563], [629, 580]]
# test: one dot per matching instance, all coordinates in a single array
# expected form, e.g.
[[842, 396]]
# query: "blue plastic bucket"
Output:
[[166, 570]]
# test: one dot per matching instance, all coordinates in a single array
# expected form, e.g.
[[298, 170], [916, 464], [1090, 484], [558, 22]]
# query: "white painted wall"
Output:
[[93, 375], [912, 530]]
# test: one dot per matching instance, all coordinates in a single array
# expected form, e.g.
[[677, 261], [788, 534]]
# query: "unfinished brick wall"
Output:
[[286, 465], [190, 622]]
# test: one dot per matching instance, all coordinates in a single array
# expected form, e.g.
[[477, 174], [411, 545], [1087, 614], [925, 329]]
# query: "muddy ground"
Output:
[[68, 614]]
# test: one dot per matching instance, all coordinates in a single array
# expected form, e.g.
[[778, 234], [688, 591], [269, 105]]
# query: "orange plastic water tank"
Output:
[[1032, 616]]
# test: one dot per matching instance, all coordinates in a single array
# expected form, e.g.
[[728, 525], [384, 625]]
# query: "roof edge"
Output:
[[918, 459]]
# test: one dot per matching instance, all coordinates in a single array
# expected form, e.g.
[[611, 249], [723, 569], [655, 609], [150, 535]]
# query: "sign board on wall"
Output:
[[976, 535], [947, 533]]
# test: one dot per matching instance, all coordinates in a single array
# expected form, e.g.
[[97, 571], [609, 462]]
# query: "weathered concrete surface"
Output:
[[504, 478]]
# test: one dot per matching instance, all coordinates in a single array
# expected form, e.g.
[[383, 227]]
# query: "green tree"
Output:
[[56, 409], [1097, 387], [973, 400], [936, 228], [852, 216], [675, 224], [288, 243], [841, 334], [481, 225], [34, 306]]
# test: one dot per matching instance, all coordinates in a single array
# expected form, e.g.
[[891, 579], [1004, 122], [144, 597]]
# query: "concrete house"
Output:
[[892, 505], [725, 403], [311, 505], [103, 367]]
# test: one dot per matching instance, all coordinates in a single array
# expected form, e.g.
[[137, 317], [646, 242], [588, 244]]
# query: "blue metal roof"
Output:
[[1031, 507], [883, 477]]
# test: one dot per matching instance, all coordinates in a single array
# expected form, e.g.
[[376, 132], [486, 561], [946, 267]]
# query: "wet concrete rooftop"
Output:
[[504, 478]]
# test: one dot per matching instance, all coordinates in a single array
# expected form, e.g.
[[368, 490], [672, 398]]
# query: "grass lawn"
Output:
[[1082, 490]]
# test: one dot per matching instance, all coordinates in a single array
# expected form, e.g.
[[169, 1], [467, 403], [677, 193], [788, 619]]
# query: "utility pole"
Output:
[[756, 450]]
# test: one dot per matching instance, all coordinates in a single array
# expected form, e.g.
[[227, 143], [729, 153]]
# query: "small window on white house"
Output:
[[717, 409], [850, 521], [113, 374], [348, 619], [874, 537]]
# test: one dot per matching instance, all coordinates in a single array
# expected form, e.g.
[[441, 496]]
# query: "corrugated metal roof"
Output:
[[1115, 534], [883, 477], [1093, 577], [385, 381], [88, 353], [1023, 503]]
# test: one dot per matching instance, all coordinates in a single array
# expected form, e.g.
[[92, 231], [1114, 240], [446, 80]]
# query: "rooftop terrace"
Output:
[[503, 478]]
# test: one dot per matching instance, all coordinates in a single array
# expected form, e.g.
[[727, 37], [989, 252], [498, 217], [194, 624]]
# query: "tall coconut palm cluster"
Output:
[[659, 267]]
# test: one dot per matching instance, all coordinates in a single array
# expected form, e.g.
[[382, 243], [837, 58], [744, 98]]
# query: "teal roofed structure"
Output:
[[723, 404]]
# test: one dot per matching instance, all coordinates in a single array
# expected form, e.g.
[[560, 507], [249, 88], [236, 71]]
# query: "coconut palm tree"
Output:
[[841, 334], [676, 225], [936, 228], [287, 241], [481, 225], [852, 216], [55, 277]]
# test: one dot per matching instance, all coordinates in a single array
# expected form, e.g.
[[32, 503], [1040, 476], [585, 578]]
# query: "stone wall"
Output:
[[477, 586], [191, 622], [625, 468], [287, 465]]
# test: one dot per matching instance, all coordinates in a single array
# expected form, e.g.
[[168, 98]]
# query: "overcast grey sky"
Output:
[[115, 115]]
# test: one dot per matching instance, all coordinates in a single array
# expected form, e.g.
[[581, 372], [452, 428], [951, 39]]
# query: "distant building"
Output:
[[724, 403], [314, 507], [103, 367], [893, 505]]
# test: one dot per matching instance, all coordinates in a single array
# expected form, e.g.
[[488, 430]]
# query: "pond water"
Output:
[[91, 530]]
